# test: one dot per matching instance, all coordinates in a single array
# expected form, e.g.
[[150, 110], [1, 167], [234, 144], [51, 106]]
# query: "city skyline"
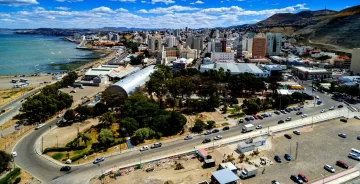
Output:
[[149, 13]]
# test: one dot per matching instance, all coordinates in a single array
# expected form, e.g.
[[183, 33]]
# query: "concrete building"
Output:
[[355, 61], [218, 47], [217, 33], [171, 41], [224, 176], [209, 46], [273, 44], [222, 56], [181, 64], [188, 53], [236, 68], [198, 43], [341, 62], [223, 45], [239, 48], [250, 144], [155, 42], [247, 44], [259, 46], [172, 52], [311, 73]]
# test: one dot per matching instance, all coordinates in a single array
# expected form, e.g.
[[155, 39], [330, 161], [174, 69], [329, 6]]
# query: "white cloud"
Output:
[[171, 9], [121, 10], [62, 8], [163, 1], [232, 9], [197, 2], [143, 11], [69, 1], [18, 2], [129, 1], [103, 9]]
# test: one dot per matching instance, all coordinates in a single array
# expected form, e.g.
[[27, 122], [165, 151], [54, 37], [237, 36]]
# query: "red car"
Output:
[[303, 177], [342, 164], [255, 116]]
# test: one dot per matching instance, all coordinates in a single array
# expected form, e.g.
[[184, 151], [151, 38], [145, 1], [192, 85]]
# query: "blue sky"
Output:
[[150, 13]]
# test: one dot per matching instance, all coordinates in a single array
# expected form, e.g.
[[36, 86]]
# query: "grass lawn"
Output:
[[58, 156]]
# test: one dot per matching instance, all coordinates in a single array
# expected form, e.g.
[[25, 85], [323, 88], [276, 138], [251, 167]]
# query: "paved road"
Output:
[[48, 171], [15, 106]]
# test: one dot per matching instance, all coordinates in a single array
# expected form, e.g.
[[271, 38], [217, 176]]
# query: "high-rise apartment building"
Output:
[[273, 44], [239, 47], [155, 42], [259, 46], [223, 45], [171, 41]]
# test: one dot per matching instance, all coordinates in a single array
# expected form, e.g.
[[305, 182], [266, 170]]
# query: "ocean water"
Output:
[[30, 54]]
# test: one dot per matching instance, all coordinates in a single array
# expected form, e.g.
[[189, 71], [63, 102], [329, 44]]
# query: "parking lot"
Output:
[[88, 91], [316, 147]]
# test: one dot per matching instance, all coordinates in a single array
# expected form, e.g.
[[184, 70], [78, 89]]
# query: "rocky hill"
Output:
[[325, 27]]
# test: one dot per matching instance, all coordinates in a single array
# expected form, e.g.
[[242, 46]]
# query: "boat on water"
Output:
[[37, 65]]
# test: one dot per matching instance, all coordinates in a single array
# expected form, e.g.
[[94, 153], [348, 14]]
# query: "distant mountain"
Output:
[[300, 18]]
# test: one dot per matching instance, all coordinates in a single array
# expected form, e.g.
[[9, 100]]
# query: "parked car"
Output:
[[329, 168], [59, 116], [215, 131], [322, 111], [317, 97], [299, 113], [332, 108], [144, 148], [156, 145], [357, 117], [259, 117], [282, 111], [288, 136], [218, 137], [226, 128], [65, 168], [277, 112], [303, 177], [281, 121], [342, 135], [340, 106], [274, 182], [287, 157], [288, 119], [207, 132], [149, 169], [251, 118], [304, 115], [188, 137], [296, 179], [342, 164], [206, 140], [98, 160], [343, 120], [358, 137], [258, 127], [73, 91], [247, 119], [277, 158], [297, 132], [255, 116], [241, 120], [354, 156]]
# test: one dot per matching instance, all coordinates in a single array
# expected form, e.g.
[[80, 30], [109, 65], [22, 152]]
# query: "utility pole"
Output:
[[297, 149], [42, 144]]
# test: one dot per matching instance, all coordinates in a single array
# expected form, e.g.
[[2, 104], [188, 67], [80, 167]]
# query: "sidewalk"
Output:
[[340, 177]]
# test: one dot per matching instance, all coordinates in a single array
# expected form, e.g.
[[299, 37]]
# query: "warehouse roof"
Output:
[[224, 176], [234, 67]]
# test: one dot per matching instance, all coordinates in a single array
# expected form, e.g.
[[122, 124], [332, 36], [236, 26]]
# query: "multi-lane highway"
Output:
[[49, 172]]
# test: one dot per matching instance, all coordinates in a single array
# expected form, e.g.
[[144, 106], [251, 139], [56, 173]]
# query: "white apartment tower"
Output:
[[171, 41], [273, 44]]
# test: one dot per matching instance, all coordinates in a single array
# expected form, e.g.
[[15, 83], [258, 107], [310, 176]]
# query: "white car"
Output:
[[259, 127], [297, 132], [304, 115], [144, 148], [357, 117], [329, 168], [332, 108], [188, 137], [99, 159], [14, 154], [39, 126], [354, 156], [322, 110], [59, 116], [217, 137], [317, 97], [288, 119]]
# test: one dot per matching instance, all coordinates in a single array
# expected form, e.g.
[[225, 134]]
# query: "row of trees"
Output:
[[209, 86], [48, 101]]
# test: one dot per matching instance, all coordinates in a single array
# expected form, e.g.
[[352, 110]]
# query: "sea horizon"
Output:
[[26, 54]]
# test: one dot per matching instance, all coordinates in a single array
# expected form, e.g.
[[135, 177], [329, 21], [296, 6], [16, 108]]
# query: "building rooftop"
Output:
[[225, 176], [228, 165], [311, 70], [98, 71], [234, 67]]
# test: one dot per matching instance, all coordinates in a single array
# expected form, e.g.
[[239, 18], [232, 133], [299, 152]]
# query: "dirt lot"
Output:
[[316, 148], [34, 81], [192, 173], [8, 95], [87, 91]]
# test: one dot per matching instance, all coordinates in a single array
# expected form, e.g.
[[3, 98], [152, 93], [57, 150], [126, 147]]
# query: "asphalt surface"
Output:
[[14, 107], [49, 172]]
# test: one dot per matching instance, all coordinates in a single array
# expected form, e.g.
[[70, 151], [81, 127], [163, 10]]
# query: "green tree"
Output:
[[128, 126], [210, 125], [69, 115], [107, 118], [144, 133], [159, 81], [252, 107], [113, 99], [86, 138], [100, 108], [5, 159], [199, 126], [83, 111], [136, 60], [105, 136]]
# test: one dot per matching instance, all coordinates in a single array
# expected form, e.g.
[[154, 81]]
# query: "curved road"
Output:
[[48, 172]]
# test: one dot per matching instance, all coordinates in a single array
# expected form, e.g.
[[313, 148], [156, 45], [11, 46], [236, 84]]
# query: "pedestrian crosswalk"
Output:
[[331, 114]]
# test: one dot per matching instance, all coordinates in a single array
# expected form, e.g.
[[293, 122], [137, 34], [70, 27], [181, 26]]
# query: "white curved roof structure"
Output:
[[130, 83]]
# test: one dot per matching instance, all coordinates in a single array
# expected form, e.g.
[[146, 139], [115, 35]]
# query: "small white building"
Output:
[[236, 68], [223, 56], [250, 144]]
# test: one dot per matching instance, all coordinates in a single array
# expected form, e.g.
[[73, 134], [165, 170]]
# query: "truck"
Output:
[[248, 172], [248, 128]]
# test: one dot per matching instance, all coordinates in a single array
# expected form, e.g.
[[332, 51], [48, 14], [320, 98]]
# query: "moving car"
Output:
[[296, 179], [304, 115], [206, 140], [288, 119], [287, 157], [39, 126], [226, 128], [322, 110], [277, 158], [297, 132], [149, 169], [14, 154], [281, 121], [303, 177], [156, 145], [258, 127], [215, 131], [218, 137], [98, 160], [299, 113], [329, 168], [342, 135], [144, 148], [288, 136], [340, 106], [342, 164], [73, 91], [332, 108], [207, 132], [65, 168], [188, 137]]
